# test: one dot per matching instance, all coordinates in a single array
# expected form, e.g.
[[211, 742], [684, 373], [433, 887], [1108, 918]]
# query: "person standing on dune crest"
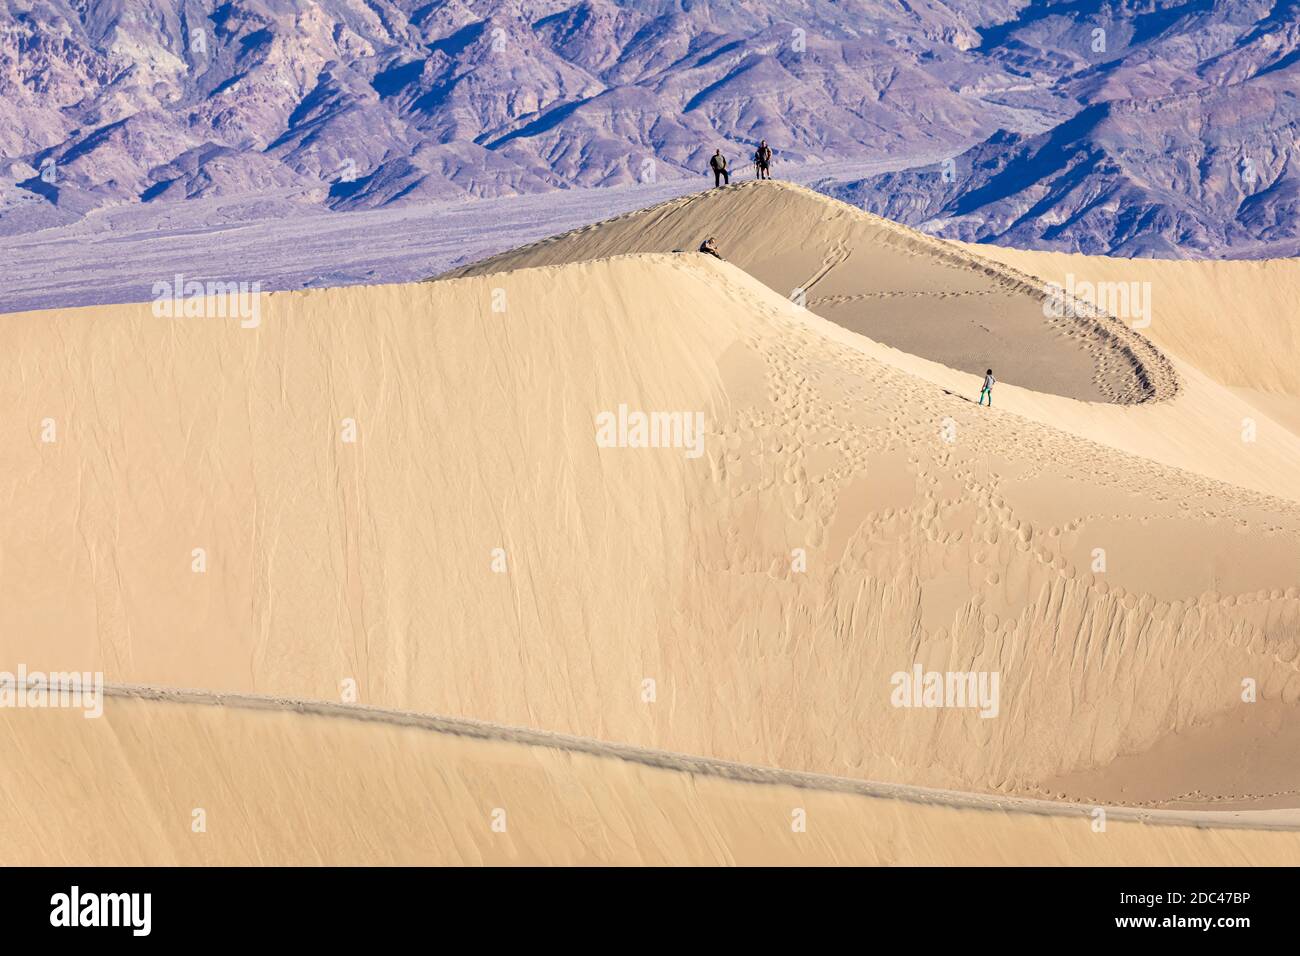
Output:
[[763, 160], [989, 382], [718, 163]]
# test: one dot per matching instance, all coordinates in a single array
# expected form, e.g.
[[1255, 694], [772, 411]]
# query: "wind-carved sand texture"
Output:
[[852, 514], [897, 286]]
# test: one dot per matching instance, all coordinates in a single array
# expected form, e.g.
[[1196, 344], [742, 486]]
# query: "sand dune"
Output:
[[850, 514], [948, 310], [895, 285], [194, 784]]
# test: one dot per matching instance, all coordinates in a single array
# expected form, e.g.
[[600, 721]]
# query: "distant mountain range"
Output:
[[1173, 132], [1185, 142]]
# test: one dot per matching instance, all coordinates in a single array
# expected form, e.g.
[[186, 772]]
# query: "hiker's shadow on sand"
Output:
[[964, 398]]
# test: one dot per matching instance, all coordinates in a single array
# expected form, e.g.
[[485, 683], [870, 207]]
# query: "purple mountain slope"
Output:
[[1186, 141], [1141, 127], [135, 101]]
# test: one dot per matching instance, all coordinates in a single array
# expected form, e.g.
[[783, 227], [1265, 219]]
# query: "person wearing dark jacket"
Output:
[[718, 163], [710, 247]]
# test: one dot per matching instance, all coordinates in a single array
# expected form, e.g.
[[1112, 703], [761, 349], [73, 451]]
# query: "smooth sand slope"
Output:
[[851, 514], [187, 784]]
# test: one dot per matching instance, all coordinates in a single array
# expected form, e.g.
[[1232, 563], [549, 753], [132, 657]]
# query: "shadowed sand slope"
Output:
[[475, 552], [1236, 321], [892, 284], [154, 783]]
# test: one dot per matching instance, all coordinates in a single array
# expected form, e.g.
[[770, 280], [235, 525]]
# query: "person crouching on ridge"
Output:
[[710, 246]]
